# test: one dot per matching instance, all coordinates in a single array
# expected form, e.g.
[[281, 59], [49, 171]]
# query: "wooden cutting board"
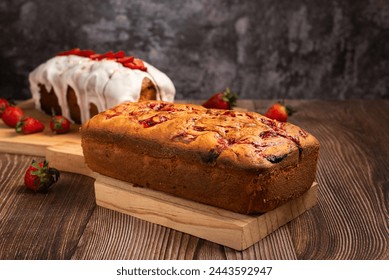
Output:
[[224, 227], [34, 144], [214, 224]]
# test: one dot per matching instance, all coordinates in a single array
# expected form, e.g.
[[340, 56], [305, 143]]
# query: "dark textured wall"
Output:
[[261, 48]]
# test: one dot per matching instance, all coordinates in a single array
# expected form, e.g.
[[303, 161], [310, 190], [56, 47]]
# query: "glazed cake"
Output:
[[239, 161], [80, 83]]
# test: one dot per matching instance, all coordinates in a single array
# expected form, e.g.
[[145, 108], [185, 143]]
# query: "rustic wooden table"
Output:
[[350, 220]]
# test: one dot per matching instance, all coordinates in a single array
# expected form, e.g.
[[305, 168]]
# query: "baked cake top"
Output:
[[228, 136]]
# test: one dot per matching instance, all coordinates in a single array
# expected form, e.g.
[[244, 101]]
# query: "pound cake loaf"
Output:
[[239, 161], [78, 84]]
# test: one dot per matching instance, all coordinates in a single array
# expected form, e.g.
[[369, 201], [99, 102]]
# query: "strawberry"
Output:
[[279, 112], [222, 100], [29, 125], [74, 51], [120, 54], [12, 115], [125, 59], [3, 104], [59, 125], [136, 63], [39, 176], [107, 55], [85, 53]]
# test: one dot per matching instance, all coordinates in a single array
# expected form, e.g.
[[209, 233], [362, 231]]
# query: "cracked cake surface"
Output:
[[240, 161]]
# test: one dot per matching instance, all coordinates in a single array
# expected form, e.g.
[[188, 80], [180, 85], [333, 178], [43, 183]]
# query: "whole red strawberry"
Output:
[[3, 104], [279, 112], [29, 125], [222, 100], [39, 176], [59, 124], [12, 115]]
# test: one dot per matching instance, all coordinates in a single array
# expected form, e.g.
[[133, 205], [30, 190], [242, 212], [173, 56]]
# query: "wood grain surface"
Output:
[[350, 220], [35, 144], [223, 227]]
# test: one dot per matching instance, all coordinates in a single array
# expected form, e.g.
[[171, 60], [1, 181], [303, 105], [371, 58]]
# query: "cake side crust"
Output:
[[239, 190]]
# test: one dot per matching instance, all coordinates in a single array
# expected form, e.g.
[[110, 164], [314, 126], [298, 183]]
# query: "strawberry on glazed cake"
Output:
[[78, 84]]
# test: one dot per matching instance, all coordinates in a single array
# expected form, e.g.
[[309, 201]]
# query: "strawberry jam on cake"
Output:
[[239, 161], [78, 84]]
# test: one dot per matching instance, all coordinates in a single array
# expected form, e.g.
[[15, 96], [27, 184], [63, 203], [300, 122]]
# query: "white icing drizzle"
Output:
[[104, 83]]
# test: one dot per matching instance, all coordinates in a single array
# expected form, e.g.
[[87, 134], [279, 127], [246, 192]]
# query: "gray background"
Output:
[[262, 49]]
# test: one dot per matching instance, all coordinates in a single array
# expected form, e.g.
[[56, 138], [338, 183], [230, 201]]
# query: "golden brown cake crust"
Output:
[[240, 161]]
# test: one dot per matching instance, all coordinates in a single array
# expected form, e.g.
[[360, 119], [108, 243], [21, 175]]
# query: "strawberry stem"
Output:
[[230, 97], [289, 110], [46, 175], [19, 126]]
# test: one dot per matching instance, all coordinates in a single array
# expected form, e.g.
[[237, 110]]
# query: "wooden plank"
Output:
[[111, 235], [351, 220], [246, 105], [217, 225], [41, 225], [34, 144], [68, 157]]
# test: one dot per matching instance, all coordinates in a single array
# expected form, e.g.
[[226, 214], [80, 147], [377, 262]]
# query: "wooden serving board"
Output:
[[224, 227], [68, 157], [214, 224], [34, 144], [217, 225]]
